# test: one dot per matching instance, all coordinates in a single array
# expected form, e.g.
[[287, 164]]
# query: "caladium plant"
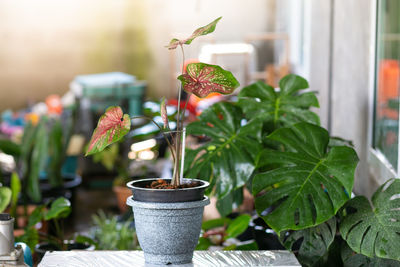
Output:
[[201, 79]]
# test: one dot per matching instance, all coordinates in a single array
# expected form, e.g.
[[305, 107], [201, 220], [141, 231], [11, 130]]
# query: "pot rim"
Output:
[[131, 186], [169, 205]]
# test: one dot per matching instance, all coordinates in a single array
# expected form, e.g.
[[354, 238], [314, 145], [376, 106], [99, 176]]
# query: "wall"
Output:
[[45, 43], [340, 71]]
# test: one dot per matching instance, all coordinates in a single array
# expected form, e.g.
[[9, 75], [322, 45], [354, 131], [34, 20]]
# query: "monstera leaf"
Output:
[[310, 184], [228, 160], [283, 108], [374, 230], [352, 259], [314, 241], [209, 28], [202, 79], [112, 126]]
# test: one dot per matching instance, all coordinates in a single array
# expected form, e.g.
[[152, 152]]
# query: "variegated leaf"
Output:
[[112, 126], [209, 28], [202, 79]]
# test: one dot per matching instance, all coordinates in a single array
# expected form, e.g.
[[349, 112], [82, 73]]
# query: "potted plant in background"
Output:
[[168, 213], [42, 242]]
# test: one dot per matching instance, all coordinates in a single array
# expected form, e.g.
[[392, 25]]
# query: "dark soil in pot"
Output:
[[190, 190]]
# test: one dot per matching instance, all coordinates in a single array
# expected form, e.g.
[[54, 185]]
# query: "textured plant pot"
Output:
[[168, 232], [141, 193]]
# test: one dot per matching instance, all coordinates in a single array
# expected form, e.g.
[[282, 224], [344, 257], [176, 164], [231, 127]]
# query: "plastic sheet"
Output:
[[201, 258]]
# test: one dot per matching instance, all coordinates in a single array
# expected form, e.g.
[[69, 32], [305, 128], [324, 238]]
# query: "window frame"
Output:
[[379, 167]]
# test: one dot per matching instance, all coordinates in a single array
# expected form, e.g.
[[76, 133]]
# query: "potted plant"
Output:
[[168, 212], [42, 242]]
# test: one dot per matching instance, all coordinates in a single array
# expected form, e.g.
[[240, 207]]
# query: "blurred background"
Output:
[[49, 51]]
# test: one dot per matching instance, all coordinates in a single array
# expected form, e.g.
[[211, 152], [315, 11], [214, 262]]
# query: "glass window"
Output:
[[387, 81]]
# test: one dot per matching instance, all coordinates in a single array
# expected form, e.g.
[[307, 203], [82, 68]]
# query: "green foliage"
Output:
[[60, 208], [108, 157], [374, 230], [314, 241], [218, 231], [238, 226], [15, 190], [55, 153], [310, 184], [5, 197], [30, 238], [109, 234], [228, 160], [352, 259], [278, 109], [10, 148]]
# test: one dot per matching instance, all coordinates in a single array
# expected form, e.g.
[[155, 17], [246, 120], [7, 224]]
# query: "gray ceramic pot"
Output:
[[168, 232]]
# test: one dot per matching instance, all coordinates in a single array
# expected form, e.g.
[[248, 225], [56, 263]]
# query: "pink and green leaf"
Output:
[[112, 126], [209, 28], [163, 112], [202, 79]]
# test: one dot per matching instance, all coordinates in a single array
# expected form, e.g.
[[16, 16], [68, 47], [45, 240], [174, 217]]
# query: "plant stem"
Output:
[[179, 123], [161, 130]]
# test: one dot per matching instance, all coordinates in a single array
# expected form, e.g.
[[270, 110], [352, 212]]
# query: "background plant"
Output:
[[109, 234]]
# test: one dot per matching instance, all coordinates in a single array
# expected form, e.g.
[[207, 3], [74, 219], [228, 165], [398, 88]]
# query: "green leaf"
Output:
[[5, 197], [203, 244], [209, 28], [229, 202], [248, 246], [228, 160], [36, 216], [38, 161], [85, 240], [60, 208], [374, 230], [352, 259], [202, 79], [214, 223], [55, 152], [310, 184], [30, 238], [279, 109], [10, 148], [15, 190], [238, 225], [314, 241], [112, 126]]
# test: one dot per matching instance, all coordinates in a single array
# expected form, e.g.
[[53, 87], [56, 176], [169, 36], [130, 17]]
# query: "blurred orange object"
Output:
[[54, 105], [32, 117], [388, 87]]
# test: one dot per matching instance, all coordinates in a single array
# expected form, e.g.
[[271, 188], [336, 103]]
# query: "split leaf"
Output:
[[279, 108], [374, 230], [309, 183]]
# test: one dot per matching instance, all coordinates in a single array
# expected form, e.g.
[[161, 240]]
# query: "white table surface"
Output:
[[99, 258]]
